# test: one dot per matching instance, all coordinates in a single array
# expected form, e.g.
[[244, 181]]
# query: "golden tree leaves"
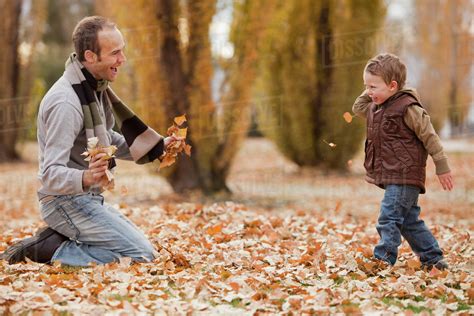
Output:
[[94, 148], [178, 145]]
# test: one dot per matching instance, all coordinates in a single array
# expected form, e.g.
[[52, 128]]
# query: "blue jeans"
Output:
[[97, 232], [399, 217]]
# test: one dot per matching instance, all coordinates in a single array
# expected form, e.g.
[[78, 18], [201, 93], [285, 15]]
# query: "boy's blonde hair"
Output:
[[389, 67]]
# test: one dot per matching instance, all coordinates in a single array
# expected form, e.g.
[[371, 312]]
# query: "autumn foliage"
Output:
[[299, 242], [171, 55], [177, 146], [231, 259], [312, 61]]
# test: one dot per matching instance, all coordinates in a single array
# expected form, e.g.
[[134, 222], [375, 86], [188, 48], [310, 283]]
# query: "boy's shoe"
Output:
[[39, 248], [440, 265]]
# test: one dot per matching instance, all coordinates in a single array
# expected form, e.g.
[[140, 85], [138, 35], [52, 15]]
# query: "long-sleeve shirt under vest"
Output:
[[418, 120]]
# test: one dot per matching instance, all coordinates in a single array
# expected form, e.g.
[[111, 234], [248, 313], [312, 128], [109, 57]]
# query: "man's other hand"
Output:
[[170, 139]]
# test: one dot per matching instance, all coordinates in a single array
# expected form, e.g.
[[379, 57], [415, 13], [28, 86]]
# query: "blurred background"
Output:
[[264, 83]]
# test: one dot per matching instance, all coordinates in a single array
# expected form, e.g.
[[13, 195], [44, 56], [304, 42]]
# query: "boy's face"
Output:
[[377, 89]]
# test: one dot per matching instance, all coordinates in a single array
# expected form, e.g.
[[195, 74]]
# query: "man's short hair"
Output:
[[389, 67], [85, 35]]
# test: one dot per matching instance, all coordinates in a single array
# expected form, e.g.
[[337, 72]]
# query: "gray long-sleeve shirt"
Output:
[[62, 139]]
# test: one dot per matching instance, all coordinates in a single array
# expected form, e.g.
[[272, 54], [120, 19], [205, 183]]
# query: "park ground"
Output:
[[290, 240]]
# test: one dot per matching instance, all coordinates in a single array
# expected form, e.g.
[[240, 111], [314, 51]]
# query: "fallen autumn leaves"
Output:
[[245, 262], [299, 244]]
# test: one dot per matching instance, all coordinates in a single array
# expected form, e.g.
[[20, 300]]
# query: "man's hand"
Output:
[[96, 171], [446, 181], [170, 139]]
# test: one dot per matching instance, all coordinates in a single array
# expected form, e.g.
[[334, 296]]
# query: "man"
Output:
[[80, 105]]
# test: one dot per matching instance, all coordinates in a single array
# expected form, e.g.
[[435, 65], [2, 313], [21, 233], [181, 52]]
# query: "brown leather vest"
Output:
[[393, 152]]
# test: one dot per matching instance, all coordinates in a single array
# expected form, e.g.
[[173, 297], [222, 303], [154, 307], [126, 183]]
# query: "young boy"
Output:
[[399, 138]]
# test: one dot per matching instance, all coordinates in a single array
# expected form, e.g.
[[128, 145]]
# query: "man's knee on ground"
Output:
[[146, 253]]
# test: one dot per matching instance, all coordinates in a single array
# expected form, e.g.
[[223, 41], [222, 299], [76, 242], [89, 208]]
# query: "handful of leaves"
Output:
[[176, 146], [94, 148]]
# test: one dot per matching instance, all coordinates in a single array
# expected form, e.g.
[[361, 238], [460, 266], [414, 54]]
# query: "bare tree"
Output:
[[9, 74]]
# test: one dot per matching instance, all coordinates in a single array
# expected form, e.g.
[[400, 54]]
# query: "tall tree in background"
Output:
[[31, 87], [249, 29], [62, 16], [171, 72], [22, 27], [444, 46], [9, 74], [313, 60]]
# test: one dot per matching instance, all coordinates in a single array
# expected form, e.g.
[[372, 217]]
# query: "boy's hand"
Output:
[[446, 181]]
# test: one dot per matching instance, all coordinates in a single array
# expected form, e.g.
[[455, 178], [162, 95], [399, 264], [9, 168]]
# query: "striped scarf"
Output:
[[144, 143]]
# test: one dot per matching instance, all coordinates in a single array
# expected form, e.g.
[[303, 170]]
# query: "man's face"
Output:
[[111, 56], [377, 89]]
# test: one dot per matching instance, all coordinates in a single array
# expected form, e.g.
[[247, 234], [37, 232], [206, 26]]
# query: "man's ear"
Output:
[[393, 85], [90, 56]]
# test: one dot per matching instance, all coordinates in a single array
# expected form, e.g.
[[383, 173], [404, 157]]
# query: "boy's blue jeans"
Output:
[[399, 217], [97, 232]]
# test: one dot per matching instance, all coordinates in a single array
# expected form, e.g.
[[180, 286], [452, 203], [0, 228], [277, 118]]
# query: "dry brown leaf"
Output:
[[167, 161], [94, 148], [182, 132], [229, 258], [176, 146], [214, 230], [348, 117], [332, 145], [235, 286], [414, 263], [179, 120]]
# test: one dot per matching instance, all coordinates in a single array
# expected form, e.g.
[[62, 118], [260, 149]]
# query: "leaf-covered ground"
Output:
[[291, 242]]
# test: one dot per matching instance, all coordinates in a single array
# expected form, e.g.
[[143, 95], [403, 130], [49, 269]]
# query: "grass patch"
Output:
[[304, 283], [417, 309], [339, 280], [392, 301], [71, 269], [463, 306], [236, 302], [119, 297], [168, 292]]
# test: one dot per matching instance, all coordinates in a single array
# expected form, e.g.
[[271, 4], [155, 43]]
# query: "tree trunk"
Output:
[[455, 114], [324, 68], [9, 71], [177, 80], [249, 29], [182, 80]]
